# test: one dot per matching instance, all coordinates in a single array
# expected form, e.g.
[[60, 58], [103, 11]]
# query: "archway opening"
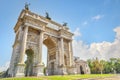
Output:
[[65, 60], [29, 62], [81, 70], [44, 54], [51, 55]]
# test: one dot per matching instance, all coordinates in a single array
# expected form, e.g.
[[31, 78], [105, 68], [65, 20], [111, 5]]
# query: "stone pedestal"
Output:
[[39, 70], [63, 70], [72, 70], [20, 70]]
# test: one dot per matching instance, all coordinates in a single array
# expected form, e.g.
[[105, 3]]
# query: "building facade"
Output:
[[81, 66], [32, 31]]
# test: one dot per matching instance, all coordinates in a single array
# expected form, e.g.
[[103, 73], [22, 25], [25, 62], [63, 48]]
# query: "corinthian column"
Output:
[[40, 47], [23, 45], [40, 66], [71, 53], [62, 50]]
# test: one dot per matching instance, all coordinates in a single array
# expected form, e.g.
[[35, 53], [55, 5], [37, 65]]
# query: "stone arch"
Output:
[[32, 34], [51, 54], [29, 62], [53, 39], [49, 42]]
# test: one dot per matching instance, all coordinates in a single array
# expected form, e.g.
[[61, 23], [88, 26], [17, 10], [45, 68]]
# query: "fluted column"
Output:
[[62, 50], [71, 53], [23, 45], [40, 66], [59, 52], [47, 58], [40, 47]]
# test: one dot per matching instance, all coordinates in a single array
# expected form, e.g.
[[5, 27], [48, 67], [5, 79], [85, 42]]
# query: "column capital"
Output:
[[41, 31], [61, 38], [25, 26]]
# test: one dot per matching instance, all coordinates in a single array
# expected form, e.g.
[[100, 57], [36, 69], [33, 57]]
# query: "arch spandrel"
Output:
[[33, 36]]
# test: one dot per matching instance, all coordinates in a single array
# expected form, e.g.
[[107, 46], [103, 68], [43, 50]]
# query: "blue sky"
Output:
[[94, 19]]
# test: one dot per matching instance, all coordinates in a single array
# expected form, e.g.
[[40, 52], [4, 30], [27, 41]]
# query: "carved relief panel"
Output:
[[51, 31], [66, 45], [33, 36]]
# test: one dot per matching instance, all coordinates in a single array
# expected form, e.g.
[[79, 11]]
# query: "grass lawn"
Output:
[[65, 77]]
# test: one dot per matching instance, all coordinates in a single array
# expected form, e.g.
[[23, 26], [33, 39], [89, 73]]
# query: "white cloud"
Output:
[[117, 30], [100, 49], [97, 17], [80, 49], [5, 66], [77, 32], [103, 50]]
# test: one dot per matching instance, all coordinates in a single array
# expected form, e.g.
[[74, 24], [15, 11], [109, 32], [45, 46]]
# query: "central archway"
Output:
[[44, 55], [51, 55]]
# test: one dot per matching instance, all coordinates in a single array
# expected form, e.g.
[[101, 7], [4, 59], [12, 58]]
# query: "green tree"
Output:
[[102, 63], [103, 66], [95, 65], [117, 66]]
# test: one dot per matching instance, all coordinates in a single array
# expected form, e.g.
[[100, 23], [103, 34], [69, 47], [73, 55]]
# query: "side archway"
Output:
[[29, 62]]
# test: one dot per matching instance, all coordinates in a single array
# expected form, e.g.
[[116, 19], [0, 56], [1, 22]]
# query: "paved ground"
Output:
[[117, 77]]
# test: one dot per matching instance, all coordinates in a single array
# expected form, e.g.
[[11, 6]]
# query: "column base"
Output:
[[63, 70], [72, 70], [20, 70], [39, 70]]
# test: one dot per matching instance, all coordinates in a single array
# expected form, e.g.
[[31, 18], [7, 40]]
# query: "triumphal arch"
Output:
[[32, 31]]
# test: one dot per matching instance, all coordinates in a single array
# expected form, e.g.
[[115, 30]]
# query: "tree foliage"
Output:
[[103, 66]]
